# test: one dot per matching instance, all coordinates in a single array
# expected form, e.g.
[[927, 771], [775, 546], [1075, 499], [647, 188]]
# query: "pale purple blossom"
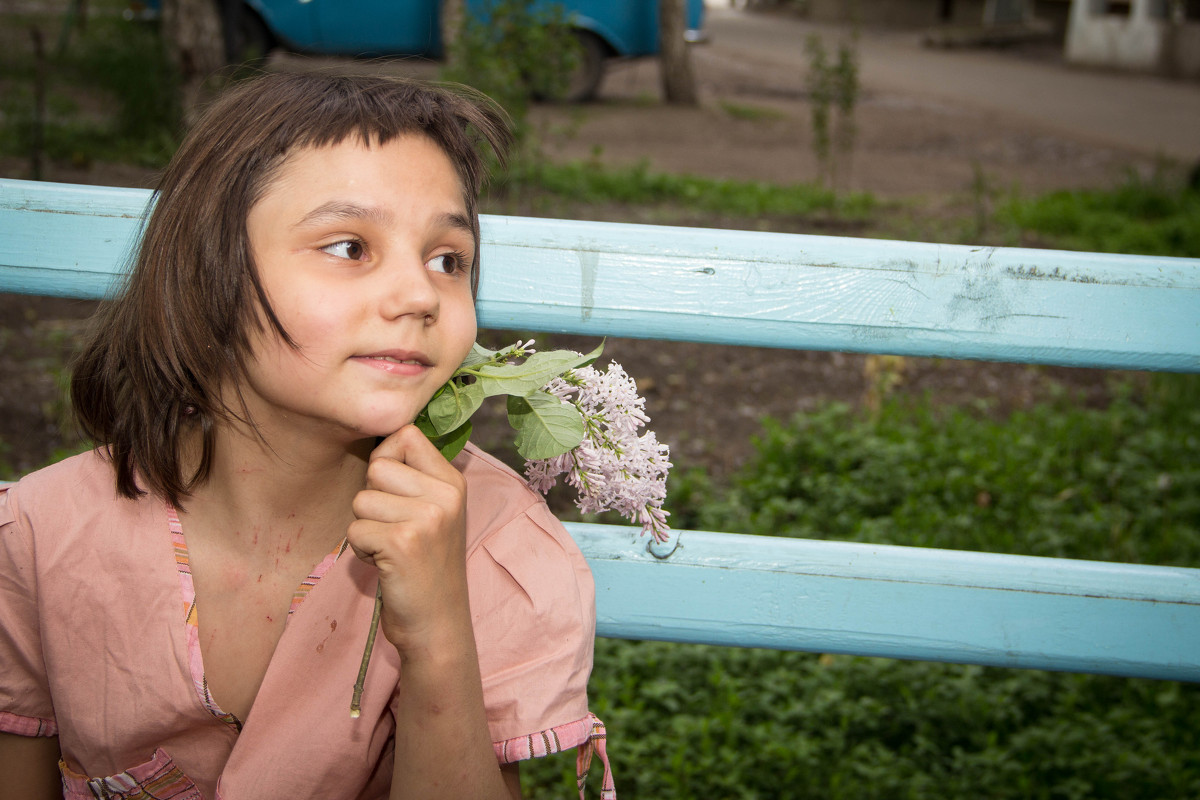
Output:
[[614, 468]]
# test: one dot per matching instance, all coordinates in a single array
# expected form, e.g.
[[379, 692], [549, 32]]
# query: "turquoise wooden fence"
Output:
[[802, 292]]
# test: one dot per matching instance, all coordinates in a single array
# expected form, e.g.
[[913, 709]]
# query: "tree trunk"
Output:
[[451, 25], [195, 41], [678, 81]]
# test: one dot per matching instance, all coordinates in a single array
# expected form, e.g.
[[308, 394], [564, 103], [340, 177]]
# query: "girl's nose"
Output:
[[410, 291]]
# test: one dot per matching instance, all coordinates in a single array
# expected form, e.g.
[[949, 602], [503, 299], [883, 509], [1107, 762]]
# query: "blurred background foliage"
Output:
[[1119, 482], [108, 93]]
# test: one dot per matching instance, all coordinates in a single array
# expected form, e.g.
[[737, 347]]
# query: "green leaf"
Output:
[[545, 425], [448, 444], [478, 355], [424, 425], [452, 443], [453, 405], [532, 374]]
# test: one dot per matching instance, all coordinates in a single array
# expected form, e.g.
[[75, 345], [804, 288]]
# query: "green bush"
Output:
[[1146, 216], [690, 721], [1056, 480], [522, 52], [112, 95], [129, 62]]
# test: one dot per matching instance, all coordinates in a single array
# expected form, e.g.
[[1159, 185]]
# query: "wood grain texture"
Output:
[[730, 287], [898, 602]]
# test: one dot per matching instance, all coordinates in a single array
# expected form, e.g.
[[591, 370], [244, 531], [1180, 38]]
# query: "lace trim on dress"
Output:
[[587, 734], [27, 726], [158, 779], [188, 589]]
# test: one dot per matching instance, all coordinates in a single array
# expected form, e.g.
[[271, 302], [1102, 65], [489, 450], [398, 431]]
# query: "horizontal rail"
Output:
[[897, 602], [729, 287]]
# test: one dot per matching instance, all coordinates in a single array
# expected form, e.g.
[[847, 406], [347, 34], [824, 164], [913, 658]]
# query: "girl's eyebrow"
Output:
[[457, 222], [337, 210]]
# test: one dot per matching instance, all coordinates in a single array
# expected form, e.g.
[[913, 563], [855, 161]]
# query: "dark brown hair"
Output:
[[161, 352]]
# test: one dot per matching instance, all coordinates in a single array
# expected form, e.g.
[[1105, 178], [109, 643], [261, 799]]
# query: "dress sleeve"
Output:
[[533, 608], [25, 705], [534, 614]]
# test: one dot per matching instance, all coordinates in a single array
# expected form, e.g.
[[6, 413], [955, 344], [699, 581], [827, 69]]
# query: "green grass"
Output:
[[1155, 216], [751, 113], [1120, 483], [587, 182]]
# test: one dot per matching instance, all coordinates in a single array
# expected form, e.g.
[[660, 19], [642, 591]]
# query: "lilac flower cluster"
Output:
[[613, 468]]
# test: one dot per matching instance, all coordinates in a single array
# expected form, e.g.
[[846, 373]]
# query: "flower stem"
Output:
[[356, 700]]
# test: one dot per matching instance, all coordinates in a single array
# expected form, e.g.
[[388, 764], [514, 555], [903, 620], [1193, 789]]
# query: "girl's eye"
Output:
[[448, 263], [350, 248]]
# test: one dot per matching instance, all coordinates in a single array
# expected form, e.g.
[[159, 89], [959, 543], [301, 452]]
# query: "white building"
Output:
[[1150, 35]]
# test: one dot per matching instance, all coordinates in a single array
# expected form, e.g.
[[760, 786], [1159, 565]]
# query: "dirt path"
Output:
[[930, 122], [1029, 85]]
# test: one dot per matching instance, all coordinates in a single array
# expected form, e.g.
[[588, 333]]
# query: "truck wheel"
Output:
[[585, 79]]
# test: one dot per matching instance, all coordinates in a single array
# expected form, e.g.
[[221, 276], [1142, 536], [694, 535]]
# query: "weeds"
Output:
[[1154, 216], [833, 91], [127, 109], [1120, 483]]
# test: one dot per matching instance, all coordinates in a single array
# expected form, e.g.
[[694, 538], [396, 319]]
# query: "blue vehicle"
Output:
[[606, 29]]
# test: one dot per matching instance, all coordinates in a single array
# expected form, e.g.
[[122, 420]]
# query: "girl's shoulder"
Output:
[[71, 494], [82, 469], [492, 484], [88, 476], [510, 526]]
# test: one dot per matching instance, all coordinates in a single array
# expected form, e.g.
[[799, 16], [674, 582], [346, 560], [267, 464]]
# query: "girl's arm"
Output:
[[411, 526], [29, 766]]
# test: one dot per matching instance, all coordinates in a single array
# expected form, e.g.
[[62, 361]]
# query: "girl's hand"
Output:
[[411, 525]]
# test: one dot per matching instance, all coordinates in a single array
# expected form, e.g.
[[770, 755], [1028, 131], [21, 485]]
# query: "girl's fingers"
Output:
[[391, 479], [376, 543], [409, 446], [402, 517], [410, 524]]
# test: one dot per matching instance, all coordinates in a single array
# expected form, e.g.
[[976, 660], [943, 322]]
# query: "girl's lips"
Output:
[[395, 363]]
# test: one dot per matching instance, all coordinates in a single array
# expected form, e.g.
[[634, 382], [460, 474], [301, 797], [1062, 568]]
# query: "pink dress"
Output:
[[98, 646]]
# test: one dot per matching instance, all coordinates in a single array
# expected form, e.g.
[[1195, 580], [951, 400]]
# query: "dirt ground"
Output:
[[754, 124], [932, 158]]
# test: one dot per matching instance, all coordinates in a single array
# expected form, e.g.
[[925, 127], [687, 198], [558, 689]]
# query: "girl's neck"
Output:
[[291, 485]]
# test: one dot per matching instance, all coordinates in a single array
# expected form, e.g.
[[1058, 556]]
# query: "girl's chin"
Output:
[[383, 428]]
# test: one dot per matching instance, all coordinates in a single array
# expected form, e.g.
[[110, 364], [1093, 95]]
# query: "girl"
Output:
[[180, 617]]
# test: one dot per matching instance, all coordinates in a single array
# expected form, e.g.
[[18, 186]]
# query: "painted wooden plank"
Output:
[[66, 240], [897, 602], [835, 293], [734, 287]]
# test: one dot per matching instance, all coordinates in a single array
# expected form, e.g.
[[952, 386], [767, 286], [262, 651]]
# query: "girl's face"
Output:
[[365, 255]]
